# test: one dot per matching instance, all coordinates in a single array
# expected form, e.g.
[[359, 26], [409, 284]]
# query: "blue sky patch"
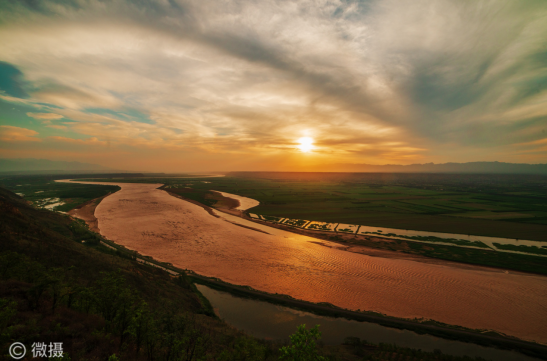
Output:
[[12, 81]]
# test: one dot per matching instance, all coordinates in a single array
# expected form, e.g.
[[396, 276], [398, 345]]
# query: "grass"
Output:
[[295, 222], [491, 258], [461, 242], [525, 249], [198, 195], [476, 256]]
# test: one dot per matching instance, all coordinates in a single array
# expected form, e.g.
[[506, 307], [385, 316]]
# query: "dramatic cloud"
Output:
[[237, 83], [46, 116], [89, 141]]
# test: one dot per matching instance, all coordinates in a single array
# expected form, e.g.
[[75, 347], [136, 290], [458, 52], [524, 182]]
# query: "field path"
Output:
[[154, 223]]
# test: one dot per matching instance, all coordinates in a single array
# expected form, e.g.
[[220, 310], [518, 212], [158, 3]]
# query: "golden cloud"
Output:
[[47, 116], [89, 141], [10, 133]]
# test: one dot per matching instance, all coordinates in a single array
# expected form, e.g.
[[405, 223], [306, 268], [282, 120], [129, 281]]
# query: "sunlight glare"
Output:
[[306, 144]]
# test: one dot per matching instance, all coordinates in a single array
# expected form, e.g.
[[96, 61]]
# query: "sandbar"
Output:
[[244, 202]]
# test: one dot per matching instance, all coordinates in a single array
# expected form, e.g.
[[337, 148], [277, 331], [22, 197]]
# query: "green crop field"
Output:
[[488, 205], [477, 205]]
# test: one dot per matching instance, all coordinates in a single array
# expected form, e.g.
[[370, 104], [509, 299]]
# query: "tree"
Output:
[[303, 345]]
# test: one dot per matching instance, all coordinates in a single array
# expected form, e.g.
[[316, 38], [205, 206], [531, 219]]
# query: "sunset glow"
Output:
[[235, 85], [306, 144]]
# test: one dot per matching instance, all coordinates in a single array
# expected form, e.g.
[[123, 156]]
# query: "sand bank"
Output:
[[244, 202]]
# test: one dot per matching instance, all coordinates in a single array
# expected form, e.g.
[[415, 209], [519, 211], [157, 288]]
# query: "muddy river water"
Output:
[[154, 223], [273, 322]]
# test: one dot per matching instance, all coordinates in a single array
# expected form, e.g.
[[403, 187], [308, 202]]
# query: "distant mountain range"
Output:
[[42, 166], [471, 167]]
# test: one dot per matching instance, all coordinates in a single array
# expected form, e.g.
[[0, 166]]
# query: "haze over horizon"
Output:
[[180, 85]]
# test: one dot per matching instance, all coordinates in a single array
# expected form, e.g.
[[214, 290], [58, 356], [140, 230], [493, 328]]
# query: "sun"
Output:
[[306, 144]]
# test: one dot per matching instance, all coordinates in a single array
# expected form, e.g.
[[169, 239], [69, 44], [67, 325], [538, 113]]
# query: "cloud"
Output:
[[16, 134], [54, 126], [89, 141], [45, 116], [371, 81]]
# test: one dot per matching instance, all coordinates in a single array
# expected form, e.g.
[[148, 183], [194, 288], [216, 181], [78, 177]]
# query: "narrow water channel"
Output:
[[272, 322], [471, 238]]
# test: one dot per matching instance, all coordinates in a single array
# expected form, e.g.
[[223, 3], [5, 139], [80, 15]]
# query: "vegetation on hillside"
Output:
[[55, 289]]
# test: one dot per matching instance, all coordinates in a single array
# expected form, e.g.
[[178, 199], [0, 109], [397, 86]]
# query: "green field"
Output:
[[485, 257], [43, 191], [487, 205]]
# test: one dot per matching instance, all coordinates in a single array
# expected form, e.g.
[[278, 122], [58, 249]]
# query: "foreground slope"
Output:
[[58, 284]]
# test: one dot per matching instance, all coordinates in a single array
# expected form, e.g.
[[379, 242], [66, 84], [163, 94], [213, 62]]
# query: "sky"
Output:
[[197, 85]]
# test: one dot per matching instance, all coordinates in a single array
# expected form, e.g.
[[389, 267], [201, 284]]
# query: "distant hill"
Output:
[[40, 166], [471, 167]]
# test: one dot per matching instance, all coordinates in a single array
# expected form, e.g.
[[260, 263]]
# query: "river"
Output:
[[154, 223], [272, 322]]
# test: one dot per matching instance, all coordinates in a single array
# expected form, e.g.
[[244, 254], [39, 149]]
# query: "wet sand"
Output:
[[244, 202], [86, 212], [169, 229]]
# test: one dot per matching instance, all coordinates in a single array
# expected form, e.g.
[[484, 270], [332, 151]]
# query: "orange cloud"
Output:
[[535, 142], [9, 133], [89, 141], [62, 127], [47, 116]]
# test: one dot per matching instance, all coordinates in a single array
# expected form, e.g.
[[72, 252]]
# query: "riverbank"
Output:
[[430, 252], [244, 202], [480, 337]]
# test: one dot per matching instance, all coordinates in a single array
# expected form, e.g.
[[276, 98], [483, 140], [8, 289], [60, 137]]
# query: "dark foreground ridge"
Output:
[[59, 283]]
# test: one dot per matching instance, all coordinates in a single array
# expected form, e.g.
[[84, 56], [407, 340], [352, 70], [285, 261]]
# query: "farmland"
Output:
[[506, 206]]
